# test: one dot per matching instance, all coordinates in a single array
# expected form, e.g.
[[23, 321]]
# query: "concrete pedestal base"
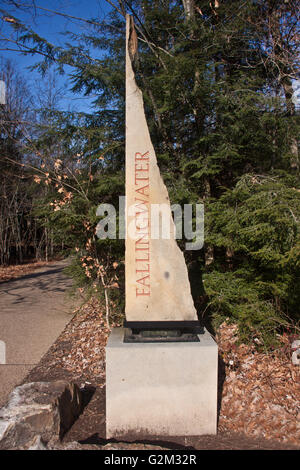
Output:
[[161, 389]]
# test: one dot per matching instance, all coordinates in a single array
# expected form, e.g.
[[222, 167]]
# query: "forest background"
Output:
[[219, 82]]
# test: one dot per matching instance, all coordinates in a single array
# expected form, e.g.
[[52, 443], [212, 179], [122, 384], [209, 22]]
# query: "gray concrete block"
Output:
[[161, 389]]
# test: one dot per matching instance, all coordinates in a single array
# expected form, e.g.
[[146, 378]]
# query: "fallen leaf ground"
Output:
[[258, 393], [261, 392], [13, 271]]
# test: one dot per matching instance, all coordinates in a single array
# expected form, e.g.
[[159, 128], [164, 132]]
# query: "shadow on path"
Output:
[[31, 286], [34, 310]]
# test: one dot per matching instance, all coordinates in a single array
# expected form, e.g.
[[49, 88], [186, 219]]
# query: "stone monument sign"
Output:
[[157, 284], [160, 380]]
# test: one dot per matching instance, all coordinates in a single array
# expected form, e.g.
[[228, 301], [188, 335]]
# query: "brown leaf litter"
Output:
[[261, 392], [14, 271], [258, 392]]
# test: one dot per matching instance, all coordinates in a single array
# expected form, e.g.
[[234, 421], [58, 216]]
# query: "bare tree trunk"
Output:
[[208, 249], [46, 244], [189, 9], [288, 93]]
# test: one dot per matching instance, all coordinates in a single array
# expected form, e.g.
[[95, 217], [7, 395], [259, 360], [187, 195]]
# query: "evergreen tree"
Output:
[[217, 84]]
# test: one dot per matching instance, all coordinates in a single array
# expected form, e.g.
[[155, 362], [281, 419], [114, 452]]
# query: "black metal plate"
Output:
[[188, 326], [159, 336]]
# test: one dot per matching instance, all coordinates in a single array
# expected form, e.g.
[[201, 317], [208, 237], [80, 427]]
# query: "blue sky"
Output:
[[50, 26]]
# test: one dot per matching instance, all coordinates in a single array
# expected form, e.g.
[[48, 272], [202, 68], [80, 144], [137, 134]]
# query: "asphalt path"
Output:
[[34, 309]]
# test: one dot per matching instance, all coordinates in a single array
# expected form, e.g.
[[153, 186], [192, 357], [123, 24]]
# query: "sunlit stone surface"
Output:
[[157, 284]]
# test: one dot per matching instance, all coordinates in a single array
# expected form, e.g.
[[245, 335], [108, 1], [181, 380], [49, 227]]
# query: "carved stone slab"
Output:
[[157, 284]]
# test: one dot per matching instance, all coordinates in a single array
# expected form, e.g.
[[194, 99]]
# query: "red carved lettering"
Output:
[[141, 292], [144, 156], [142, 223]]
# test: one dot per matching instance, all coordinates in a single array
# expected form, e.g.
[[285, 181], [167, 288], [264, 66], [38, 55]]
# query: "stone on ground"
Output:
[[38, 412]]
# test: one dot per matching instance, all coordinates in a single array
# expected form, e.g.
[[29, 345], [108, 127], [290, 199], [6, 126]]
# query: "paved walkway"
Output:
[[34, 309]]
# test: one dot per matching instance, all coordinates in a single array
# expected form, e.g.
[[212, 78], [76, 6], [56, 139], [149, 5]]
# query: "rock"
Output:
[[156, 280], [37, 444], [37, 412]]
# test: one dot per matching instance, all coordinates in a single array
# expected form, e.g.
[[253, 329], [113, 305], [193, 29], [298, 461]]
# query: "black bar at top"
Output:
[[163, 325]]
